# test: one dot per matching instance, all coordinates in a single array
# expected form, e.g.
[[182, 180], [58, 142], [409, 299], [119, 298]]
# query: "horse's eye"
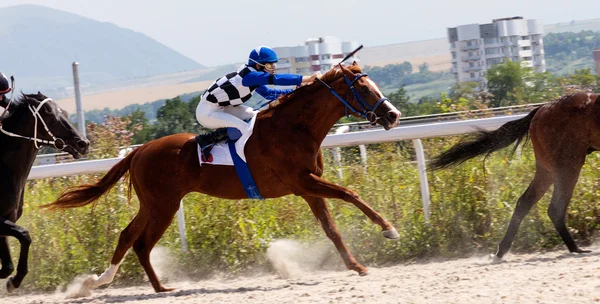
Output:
[[365, 90]]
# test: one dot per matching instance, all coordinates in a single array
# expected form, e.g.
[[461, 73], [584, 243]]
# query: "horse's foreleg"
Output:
[[539, 185], [321, 212], [8, 228], [313, 185], [7, 264]]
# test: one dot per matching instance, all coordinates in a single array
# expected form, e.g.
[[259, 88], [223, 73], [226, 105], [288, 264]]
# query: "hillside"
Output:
[[42, 43]]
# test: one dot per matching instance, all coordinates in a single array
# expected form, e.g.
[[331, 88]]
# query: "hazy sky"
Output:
[[215, 32]]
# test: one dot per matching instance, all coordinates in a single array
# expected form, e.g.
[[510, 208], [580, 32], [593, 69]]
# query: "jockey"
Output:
[[4, 89], [221, 105]]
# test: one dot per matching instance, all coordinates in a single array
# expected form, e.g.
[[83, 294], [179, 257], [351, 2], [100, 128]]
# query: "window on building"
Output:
[[453, 55], [472, 75], [326, 56], [525, 38], [301, 59], [471, 64], [527, 58], [526, 48], [469, 43], [453, 45]]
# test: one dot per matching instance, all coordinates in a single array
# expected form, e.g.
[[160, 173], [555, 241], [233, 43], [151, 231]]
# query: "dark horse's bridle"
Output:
[[57, 143], [366, 110]]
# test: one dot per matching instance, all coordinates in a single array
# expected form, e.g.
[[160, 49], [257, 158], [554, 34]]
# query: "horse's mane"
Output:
[[301, 92], [14, 105]]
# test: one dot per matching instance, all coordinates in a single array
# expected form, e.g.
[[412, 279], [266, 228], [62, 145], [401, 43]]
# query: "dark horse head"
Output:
[[27, 123], [37, 119]]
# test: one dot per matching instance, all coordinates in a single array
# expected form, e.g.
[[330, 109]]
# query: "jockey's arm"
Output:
[[271, 94], [262, 78]]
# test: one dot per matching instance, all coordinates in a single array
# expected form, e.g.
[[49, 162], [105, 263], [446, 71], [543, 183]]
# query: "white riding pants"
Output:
[[213, 116]]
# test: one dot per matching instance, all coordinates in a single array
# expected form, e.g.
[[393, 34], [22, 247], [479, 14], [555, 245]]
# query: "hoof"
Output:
[[10, 287], [391, 234], [496, 259], [90, 282], [164, 289], [363, 273], [580, 251]]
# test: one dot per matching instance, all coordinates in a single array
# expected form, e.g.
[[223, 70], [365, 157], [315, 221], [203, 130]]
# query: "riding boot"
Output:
[[208, 140]]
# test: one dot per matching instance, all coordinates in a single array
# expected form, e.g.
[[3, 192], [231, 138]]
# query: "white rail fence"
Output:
[[414, 133]]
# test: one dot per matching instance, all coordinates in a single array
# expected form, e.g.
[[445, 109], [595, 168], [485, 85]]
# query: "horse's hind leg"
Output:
[[321, 212], [143, 245], [313, 185], [7, 264], [563, 191], [8, 228], [126, 239], [538, 187]]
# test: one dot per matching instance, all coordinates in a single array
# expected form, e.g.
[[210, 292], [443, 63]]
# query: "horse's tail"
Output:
[[83, 195], [485, 142]]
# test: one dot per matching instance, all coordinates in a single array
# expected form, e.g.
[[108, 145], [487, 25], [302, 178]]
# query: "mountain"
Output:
[[39, 45]]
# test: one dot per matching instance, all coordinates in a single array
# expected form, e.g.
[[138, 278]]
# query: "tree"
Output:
[[401, 101], [176, 116], [424, 68], [138, 124], [505, 82], [583, 78]]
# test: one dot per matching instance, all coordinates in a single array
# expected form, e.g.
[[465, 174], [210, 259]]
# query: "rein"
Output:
[[366, 110], [57, 143]]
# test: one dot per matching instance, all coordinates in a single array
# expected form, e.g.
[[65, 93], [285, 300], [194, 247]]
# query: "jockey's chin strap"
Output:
[[57, 143], [366, 110]]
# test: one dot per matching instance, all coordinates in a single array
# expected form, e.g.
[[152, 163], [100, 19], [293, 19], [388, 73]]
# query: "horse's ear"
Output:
[[28, 99], [347, 71], [355, 63]]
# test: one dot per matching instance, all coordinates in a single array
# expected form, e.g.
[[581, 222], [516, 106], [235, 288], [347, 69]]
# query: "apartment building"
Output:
[[477, 47], [317, 54]]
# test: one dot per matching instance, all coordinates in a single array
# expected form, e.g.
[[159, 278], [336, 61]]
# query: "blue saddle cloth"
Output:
[[241, 167]]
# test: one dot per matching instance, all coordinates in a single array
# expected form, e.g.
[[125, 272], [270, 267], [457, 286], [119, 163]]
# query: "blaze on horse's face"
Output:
[[67, 136], [386, 114]]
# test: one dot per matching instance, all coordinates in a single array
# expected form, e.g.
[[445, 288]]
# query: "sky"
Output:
[[223, 32]]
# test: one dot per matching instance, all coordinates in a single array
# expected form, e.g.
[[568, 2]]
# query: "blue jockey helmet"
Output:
[[262, 55]]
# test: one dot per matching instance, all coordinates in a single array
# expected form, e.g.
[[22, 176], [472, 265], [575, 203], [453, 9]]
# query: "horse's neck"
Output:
[[16, 154], [315, 115]]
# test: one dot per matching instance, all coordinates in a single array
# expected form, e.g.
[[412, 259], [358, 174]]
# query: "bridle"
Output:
[[57, 143], [366, 110]]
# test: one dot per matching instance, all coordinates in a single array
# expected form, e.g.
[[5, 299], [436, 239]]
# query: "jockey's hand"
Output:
[[310, 79]]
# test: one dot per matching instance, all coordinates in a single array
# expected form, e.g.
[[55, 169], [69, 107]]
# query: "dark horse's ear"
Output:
[[355, 63], [31, 99]]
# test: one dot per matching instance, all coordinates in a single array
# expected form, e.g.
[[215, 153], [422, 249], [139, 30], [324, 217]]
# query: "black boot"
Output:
[[208, 140]]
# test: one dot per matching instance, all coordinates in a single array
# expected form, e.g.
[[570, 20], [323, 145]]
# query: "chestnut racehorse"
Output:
[[283, 154], [562, 132]]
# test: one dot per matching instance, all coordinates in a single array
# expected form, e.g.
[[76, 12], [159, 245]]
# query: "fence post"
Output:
[[78, 104], [422, 167], [181, 226]]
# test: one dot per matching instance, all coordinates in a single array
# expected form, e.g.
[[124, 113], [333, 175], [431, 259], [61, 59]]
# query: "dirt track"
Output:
[[555, 277]]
